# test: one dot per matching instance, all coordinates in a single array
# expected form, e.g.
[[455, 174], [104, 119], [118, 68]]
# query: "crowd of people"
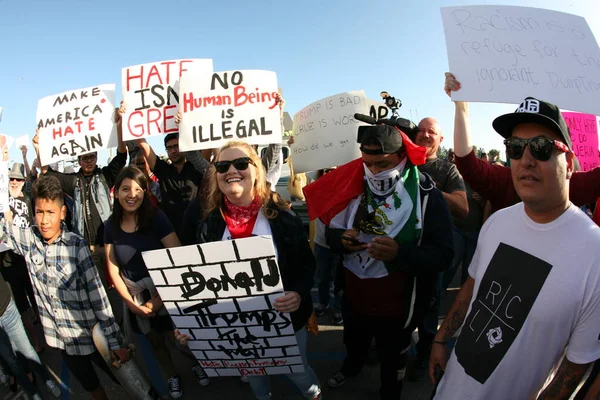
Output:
[[392, 230]]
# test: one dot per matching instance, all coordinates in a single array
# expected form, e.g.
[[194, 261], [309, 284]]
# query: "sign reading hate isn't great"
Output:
[[230, 105], [504, 54], [76, 122], [151, 95], [221, 294]]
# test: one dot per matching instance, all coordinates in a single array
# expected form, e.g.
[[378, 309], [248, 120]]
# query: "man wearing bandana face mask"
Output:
[[394, 229]]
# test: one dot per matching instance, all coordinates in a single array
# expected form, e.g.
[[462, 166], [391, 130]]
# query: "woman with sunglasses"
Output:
[[137, 225], [240, 205]]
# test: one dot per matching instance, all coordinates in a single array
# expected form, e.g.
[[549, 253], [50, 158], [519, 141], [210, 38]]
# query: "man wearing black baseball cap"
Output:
[[393, 227], [534, 283]]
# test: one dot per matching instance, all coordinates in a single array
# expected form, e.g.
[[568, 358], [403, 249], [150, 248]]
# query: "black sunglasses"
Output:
[[239, 163], [540, 147]]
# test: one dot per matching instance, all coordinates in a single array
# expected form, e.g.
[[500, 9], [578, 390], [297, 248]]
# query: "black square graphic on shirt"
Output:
[[508, 290]]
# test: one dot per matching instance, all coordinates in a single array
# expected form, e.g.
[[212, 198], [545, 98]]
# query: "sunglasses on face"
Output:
[[240, 164], [16, 179], [540, 147]]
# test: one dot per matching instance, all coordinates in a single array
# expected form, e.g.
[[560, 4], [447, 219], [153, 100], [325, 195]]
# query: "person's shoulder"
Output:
[[73, 240]]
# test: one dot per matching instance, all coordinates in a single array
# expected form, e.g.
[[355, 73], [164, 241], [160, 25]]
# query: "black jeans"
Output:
[[392, 341]]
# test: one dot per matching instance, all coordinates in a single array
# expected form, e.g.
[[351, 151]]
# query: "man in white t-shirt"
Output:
[[533, 294]]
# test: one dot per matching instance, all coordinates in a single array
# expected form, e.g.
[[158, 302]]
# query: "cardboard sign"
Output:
[[504, 54], [584, 136], [221, 294], [76, 122], [231, 105], [4, 186], [325, 132], [151, 95]]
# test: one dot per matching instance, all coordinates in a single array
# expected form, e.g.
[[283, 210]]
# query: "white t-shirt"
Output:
[[537, 292]]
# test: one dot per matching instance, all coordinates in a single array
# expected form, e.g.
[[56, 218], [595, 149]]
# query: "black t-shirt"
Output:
[[128, 246], [177, 189], [445, 174], [22, 211]]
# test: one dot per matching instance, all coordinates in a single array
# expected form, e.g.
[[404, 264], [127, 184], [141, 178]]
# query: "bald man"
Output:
[[450, 182]]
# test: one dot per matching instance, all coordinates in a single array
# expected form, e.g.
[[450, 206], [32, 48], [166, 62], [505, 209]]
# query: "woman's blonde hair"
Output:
[[262, 188]]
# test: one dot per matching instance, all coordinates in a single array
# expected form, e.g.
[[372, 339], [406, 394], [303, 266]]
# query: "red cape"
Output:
[[329, 195]]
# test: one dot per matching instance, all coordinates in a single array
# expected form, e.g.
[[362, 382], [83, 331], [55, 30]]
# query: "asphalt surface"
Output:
[[325, 353]]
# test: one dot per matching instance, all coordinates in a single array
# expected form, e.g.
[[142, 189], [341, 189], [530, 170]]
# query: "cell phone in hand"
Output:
[[352, 240]]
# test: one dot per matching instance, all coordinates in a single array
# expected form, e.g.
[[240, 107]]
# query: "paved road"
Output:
[[325, 352]]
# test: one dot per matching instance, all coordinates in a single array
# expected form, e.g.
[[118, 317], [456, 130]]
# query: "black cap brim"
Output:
[[505, 124]]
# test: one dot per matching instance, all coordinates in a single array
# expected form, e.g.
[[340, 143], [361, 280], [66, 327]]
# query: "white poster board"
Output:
[[151, 95], [76, 122], [3, 186], [229, 105], [221, 294], [325, 132], [22, 141], [504, 54]]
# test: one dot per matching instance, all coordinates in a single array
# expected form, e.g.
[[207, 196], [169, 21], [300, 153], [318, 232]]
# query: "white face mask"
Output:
[[384, 183]]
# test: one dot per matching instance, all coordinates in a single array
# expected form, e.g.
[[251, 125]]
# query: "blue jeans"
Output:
[[12, 324], [13, 338], [327, 263], [306, 381]]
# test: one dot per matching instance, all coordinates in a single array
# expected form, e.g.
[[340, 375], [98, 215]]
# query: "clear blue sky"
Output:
[[318, 48]]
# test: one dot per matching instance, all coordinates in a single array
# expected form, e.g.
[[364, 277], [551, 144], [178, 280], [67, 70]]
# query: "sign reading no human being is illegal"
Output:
[[504, 54]]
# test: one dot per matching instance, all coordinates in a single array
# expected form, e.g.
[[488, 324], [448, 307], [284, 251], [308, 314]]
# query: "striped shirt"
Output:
[[68, 290]]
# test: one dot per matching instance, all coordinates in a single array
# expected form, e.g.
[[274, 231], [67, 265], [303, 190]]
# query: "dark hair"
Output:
[[48, 188], [170, 137], [146, 211]]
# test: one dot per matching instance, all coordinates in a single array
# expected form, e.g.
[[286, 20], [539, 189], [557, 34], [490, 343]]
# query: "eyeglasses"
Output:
[[16, 179], [172, 147], [540, 147], [240, 164]]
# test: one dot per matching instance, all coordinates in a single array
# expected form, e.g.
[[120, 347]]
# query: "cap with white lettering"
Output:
[[534, 111]]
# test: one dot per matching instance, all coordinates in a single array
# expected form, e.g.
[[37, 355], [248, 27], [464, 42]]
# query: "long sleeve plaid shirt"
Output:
[[68, 290]]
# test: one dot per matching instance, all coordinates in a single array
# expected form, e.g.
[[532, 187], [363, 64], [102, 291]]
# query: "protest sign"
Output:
[[5, 143], [504, 54], [151, 95], [22, 141], [325, 131], [584, 136], [231, 105], [221, 294], [4, 186], [76, 122]]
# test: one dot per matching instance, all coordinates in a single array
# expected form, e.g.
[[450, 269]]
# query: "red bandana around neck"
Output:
[[240, 220]]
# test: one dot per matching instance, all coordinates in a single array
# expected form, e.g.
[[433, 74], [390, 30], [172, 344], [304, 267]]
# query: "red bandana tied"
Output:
[[240, 219]]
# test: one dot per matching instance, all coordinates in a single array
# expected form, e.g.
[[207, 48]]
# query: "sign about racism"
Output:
[[221, 294], [151, 95], [76, 122], [4, 186], [231, 105], [584, 136], [325, 131], [504, 54]]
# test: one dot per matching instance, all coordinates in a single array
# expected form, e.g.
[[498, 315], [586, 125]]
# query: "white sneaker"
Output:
[[53, 388], [201, 375], [174, 384]]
